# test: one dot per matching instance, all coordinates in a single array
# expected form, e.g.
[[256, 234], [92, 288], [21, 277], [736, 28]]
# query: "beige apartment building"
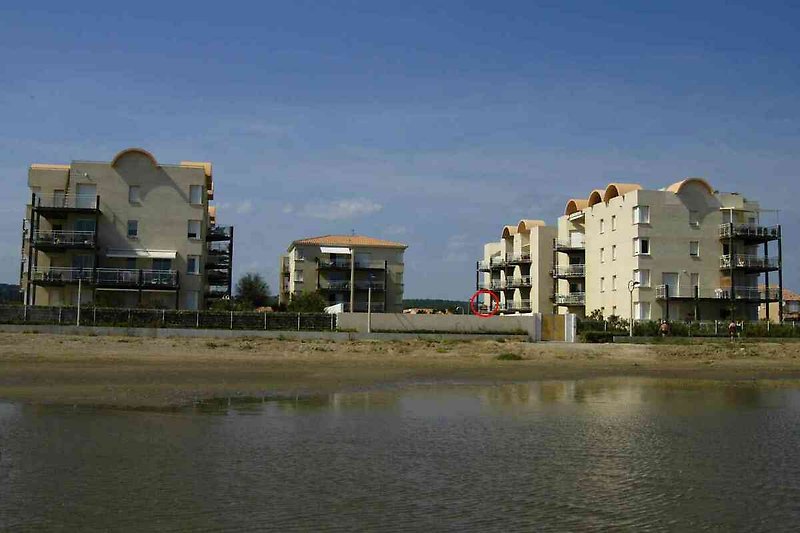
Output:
[[131, 232], [682, 252], [347, 270]]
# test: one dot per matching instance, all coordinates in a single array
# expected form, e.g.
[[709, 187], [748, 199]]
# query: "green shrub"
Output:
[[598, 336], [509, 356]]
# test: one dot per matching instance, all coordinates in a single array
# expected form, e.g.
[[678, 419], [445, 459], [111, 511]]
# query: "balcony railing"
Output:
[[519, 258], [524, 281], [483, 265], [160, 278], [64, 239], [497, 262], [569, 271], [521, 306], [572, 298], [737, 293], [62, 275], [748, 262], [74, 201], [748, 231], [362, 265], [219, 233], [569, 244], [108, 277]]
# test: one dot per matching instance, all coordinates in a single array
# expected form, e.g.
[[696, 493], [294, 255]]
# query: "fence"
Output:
[[162, 318], [705, 328]]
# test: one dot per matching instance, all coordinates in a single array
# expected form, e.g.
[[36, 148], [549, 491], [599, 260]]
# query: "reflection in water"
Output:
[[580, 455]]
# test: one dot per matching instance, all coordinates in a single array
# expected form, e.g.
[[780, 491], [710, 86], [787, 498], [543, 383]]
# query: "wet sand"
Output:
[[128, 372]]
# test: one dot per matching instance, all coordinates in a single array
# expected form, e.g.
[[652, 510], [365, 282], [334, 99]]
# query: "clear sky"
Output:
[[432, 123]]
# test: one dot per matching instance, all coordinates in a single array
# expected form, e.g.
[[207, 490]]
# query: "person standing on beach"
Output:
[[664, 328], [732, 330]]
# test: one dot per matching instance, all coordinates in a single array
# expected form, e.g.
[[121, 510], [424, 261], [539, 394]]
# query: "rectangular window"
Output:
[[613, 222], [602, 284], [298, 276], [196, 194], [133, 229], [194, 229], [614, 311], [192, 300], [642, 310], [134, 194], [642, 276], [694, 219], [613, 252], [641, 214], [602, 225], [614, 282], [602, 255], [694, 281], [694, 248], [193, 264], [641, 246]]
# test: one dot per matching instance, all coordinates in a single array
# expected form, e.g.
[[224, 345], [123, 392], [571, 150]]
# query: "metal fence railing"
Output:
[[165, 318]]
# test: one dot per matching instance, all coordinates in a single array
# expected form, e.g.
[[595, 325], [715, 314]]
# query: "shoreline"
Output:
[[140, 373]]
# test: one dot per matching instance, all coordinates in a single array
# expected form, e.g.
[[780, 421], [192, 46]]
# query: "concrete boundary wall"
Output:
[[529, 325], [167, 333]]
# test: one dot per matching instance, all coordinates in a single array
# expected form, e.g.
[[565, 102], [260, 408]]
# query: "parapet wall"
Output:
[[530, 325]]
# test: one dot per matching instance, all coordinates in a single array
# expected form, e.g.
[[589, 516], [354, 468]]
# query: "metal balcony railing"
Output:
[[752, 231], [569, 271], [519, 258], [64, 238], [497, 262], [219, 233], [483, 265], [161, 278], [359, 264], [752, 262], [524, 281], [569, 244], [62, 275], [497, 285], [521, 306], [572, 298], [66, 201], [737, 293]]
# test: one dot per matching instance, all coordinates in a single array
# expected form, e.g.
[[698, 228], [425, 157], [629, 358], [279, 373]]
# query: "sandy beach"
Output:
[[127, 372]]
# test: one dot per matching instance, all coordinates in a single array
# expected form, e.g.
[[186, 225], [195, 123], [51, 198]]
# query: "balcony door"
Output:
[[576, 239], [86, 195], [670, 279]]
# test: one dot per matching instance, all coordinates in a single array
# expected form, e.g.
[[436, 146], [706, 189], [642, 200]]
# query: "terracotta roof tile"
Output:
[[347, 240]]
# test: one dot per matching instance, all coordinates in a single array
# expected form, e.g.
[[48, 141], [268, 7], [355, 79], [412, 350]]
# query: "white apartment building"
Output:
[[131, 232], [682, 252], [346, 269]]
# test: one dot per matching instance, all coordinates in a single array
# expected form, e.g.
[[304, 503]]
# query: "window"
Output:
[[642, 310], [194, 229], [193, 264], [614, 311], [694, 219], [613, 222], [641, 246], [298, 276], [694, 248], [614, 282], [602, 255], [694, 281], [642, 276], [602, 284], [195, 194], [613, 252], [134, 194], [602, 225], [641, 214], [133, 229]]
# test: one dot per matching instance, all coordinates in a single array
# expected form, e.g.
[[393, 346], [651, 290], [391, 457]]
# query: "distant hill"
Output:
[[9, 293], [434, 304]]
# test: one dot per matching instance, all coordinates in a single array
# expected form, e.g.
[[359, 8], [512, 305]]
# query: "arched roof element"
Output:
[[131, 151], [677, 186], [509, 231], [525, 225], [595, 198], [618, 189], [575, 205]]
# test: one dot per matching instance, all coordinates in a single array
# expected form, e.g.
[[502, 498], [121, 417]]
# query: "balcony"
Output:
[[516, 306], [345, 265], [519, 259], [749, 232], [569, 245], [497, 262], [219, 233], [57, 241], [513, 283], [744, 293], [121, 278], [751, 263], [483, 266], [569, 271], [60, 204], [57, 276], [572, 298]]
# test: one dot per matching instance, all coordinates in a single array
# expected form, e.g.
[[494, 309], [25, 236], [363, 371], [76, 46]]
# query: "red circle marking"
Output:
[[473, 307]]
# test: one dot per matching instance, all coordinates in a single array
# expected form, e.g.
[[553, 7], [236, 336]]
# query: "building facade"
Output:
[[126, 233], [678, 253], [347, 269]]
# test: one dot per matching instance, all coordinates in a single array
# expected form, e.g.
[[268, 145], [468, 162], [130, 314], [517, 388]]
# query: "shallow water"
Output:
[[623, 454]]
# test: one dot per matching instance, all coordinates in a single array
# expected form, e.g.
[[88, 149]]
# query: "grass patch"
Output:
[[509, 356]]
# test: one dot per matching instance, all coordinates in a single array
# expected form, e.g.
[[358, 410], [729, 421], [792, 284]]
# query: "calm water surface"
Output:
[[586, 455]]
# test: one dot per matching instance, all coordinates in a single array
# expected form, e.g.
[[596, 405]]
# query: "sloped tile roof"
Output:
[[348, 240]]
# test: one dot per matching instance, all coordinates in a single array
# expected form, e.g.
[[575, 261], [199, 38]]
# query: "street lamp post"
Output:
[[631, 285]]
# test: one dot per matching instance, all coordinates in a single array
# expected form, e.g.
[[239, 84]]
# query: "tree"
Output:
[[252, 291], [307, 302]]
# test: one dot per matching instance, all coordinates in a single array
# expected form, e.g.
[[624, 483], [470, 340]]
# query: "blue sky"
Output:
[[428, 123]]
